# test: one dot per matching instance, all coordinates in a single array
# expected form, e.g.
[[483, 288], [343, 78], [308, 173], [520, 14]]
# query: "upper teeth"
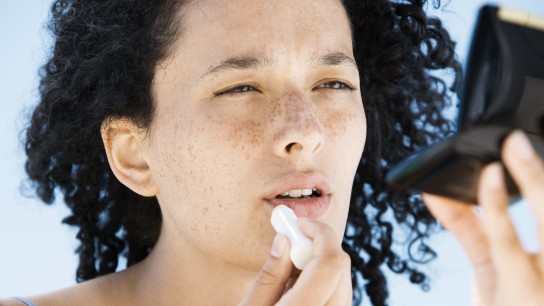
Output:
[[296, 193]]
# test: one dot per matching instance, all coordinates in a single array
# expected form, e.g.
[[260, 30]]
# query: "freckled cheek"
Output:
[[193, 171], [210, 154], [345, 136], [239, 139], [246, 133], [346, 127], [209, 171]]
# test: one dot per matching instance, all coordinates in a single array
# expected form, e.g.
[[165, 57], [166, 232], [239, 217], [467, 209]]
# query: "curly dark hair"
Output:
[[102, 65]]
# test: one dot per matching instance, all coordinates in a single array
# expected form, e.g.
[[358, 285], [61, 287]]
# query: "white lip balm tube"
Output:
[[284, 221]]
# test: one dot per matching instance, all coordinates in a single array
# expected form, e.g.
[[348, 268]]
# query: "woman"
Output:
[[173, 128]]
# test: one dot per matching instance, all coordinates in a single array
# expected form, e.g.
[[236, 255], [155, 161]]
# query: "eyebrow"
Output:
[[240, 63], [335, 59], [254, 63]]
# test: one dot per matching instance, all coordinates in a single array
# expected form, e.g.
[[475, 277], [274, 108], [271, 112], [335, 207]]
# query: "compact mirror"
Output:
[[503, 90]]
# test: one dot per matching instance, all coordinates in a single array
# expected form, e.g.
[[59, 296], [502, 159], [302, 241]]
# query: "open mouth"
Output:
[[300, 194]]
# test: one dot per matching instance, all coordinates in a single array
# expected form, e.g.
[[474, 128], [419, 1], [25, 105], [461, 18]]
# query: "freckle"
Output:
[[337, 123], [248, 132]]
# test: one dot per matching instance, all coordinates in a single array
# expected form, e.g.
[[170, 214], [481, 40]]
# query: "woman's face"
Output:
[[258, 98]]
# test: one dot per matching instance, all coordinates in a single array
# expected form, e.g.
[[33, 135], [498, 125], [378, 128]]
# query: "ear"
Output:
[[124, 142]]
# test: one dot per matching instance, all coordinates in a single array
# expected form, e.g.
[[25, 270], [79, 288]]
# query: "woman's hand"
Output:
[[504, 274], [326, 279]]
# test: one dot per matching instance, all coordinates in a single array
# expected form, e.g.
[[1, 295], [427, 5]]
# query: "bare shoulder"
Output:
[[11, 302], [105, 290]]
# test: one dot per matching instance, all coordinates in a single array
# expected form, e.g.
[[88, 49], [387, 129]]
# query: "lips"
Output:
[[310, 206]]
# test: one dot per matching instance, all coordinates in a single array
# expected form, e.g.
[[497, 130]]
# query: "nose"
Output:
[[299, 130]]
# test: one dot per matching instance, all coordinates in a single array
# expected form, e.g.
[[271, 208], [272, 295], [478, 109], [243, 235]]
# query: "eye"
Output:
[[337, 85], [236, 90]]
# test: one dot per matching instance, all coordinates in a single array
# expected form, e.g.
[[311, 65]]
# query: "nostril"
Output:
[[289, 147]]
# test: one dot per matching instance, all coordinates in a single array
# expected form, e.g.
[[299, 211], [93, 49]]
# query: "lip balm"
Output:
[[284, 221]]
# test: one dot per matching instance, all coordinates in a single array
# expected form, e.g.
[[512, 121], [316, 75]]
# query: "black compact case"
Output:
[[503, 90]]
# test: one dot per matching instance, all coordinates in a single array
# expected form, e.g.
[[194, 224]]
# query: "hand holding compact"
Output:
[[505, 274]]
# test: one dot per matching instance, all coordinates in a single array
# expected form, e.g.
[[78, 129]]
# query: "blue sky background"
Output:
[[37, 251]]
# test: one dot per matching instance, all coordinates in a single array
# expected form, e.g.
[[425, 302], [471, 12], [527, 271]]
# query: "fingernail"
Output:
[[522, 145], [278, 246], [494, 176]]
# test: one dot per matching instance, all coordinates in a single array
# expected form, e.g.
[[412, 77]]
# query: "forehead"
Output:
[[264, 25]]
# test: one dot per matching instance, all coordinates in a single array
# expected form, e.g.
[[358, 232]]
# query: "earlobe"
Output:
[[124, 143]]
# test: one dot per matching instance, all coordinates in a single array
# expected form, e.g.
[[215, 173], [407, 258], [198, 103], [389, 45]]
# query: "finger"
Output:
[[322, 274], [344, 294], [527, 169], [452, 214], [271, 280], [464, 222], [505, 247], [515, 269]]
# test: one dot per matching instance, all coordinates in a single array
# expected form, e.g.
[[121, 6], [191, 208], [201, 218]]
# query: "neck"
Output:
[[176, 273]]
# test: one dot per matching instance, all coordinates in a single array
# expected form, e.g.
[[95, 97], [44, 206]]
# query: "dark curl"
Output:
[[397, 47], [102, 66]]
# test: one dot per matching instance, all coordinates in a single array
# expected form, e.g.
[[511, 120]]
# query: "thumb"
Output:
[[273, 276]]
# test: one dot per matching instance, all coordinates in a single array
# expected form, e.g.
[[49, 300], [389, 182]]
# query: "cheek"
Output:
[[347, 130], [205, 164], [241, 136], [346, 134], [337, 124], [208, 161]]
